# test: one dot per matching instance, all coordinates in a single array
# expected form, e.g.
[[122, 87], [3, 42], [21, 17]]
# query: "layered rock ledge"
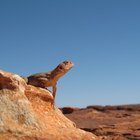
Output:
[[26, 113]]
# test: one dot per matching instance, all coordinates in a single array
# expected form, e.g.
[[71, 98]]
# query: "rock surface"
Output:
[[26, 113], [109, 122]]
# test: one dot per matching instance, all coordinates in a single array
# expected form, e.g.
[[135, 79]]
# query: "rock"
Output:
[[68, 110], [26, 113]]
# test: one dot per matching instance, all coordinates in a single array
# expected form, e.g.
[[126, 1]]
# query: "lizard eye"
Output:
[[66, 62], [60, 67]]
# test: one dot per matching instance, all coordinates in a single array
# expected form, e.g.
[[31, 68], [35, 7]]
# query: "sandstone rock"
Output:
[[26, 113]]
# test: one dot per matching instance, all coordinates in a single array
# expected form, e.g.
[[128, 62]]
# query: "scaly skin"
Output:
[[49, 79]]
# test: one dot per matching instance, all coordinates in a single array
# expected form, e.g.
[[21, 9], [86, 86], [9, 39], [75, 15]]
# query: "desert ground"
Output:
[[109, 122]]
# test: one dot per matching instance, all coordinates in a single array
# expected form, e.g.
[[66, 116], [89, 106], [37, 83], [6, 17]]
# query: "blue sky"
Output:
[[101, 37]]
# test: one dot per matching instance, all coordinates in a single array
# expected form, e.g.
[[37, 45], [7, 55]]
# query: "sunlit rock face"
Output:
[[27, 113]]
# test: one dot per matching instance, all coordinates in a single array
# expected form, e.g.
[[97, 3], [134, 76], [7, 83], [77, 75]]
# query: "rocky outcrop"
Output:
[[68, 110], [26, 113]]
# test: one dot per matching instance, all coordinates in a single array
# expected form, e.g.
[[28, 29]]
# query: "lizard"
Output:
[[49, 79]]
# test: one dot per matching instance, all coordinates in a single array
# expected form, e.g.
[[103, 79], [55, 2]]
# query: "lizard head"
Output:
[[65, 66], [62, 68]]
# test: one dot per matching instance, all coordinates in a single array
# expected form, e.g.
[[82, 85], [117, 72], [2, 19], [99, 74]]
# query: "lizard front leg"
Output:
[[54, 88]]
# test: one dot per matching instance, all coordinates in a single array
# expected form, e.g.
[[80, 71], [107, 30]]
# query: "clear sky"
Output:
[[102, 38]]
